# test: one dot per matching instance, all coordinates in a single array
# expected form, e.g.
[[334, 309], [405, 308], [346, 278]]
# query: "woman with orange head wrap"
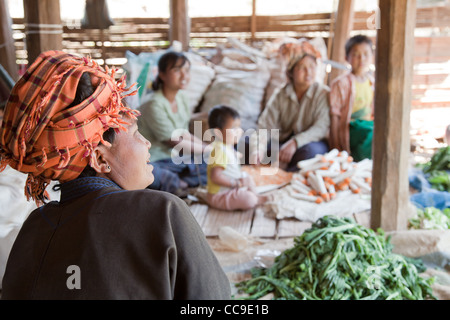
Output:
[[65, 120], [48, 137], [299, 111]]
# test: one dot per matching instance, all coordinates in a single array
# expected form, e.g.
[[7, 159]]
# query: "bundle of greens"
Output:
[[431, 219], [437, 170], [337, 259], [440, 180], [439, 161]]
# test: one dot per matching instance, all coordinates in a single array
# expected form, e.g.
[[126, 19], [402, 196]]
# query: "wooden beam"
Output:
[[394, 74], [43, 27], [253, 22], [7, 49], [330, 41], [180, 23], [343, 26]]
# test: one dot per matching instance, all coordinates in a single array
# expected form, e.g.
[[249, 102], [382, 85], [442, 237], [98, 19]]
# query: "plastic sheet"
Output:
[[426, 196], [435, 199]]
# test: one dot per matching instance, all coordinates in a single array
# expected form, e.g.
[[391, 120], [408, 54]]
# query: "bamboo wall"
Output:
[[150, 34]]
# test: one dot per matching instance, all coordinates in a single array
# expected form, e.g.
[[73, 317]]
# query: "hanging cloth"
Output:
[[96, 15]]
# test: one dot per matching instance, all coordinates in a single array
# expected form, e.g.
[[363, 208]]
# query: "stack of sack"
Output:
[[236, 75], [143, 70], [240, 82]]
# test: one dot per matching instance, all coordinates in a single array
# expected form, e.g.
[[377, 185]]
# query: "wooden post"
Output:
[[96, 16], [43, 27], [253, 22], [7, 49], [180, 23], [394, 74], [330, 42], [343, 27]]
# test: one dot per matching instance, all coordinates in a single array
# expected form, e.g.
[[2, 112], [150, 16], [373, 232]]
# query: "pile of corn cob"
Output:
[[322, 177]]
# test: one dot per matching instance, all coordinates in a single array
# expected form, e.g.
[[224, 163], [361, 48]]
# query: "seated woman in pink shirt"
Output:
[[352, 102]]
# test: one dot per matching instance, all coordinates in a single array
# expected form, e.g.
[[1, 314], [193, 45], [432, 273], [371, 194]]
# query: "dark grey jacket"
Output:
[[102, 242]]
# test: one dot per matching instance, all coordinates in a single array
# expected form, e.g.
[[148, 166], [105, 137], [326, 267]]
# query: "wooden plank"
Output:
[[311, 16], [432, 46], [395, 49], [240, 221], [217, 21], [428, 105], [141, 20], [262, 226], [117, 40], [430, 79], [199, 212], [313, 27], [123, 32], [292, 228]]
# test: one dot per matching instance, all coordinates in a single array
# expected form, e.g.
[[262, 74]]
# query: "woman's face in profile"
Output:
[[304, 72], [129, 159]]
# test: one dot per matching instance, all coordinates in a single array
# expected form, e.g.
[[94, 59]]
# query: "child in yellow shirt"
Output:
[[228, 187]]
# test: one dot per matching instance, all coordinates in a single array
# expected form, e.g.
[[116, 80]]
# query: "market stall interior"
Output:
[[240, 60]]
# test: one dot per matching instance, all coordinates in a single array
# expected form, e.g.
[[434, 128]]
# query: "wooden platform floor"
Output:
[[254, 223]]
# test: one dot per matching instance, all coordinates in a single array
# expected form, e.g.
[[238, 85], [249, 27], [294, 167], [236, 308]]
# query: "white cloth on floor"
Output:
[[345, 204]]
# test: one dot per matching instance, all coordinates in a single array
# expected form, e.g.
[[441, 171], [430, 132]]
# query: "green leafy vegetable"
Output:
[[337, 259], [440, 161], [431, 219], [437, 168], [440, 180]]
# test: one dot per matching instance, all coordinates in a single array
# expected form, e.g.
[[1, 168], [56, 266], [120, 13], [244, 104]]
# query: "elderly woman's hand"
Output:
[[288, 150]]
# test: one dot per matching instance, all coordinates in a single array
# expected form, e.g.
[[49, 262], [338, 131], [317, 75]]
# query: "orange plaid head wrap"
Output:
[[294, 52], [40, 136]]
